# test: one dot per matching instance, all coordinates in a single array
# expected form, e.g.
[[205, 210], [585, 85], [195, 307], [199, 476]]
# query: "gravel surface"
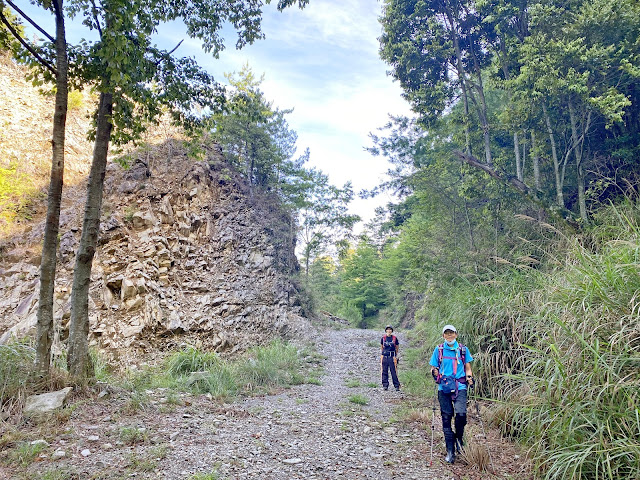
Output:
[[305, 432]]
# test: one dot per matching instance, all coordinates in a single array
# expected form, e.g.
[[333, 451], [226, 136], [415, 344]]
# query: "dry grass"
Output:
[[475, 452]]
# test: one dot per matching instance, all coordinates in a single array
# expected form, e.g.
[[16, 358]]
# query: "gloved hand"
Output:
[[435, 374]]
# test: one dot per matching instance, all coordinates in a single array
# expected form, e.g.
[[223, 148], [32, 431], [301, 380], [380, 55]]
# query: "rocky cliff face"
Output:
[[185, 255]]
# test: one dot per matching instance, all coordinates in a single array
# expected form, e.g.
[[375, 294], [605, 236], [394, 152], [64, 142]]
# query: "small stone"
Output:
[[58, 454], [292, 461], [93, 438], [40, 442], [107, 446], [86, 452]]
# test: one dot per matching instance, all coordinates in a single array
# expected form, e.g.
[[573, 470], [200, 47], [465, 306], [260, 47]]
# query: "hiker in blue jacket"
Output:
[[451, 369]]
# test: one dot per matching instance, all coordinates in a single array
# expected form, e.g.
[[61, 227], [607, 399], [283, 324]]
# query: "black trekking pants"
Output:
[[387, 364]]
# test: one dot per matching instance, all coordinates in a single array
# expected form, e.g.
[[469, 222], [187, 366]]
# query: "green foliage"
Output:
[[76, 100], [205, 476], [17, 190], [258, 141], [25, 453], [558, 348], [276, 364], [131, 435], [261, 369]]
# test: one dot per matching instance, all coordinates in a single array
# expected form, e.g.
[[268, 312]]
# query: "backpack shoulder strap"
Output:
[[463, 354], [440, 354]]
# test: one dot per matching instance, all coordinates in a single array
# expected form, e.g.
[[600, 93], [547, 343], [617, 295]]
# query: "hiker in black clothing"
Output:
[[389, 357]]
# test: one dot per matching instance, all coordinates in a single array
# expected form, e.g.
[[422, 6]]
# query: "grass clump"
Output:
[[130, 435], [16, 366], [205, 476], [25, 453], [189, 360], [17, 191], [260, 370], [358, 399]]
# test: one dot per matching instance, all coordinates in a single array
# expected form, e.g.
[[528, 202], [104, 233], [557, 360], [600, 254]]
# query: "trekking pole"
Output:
[[433, 423]]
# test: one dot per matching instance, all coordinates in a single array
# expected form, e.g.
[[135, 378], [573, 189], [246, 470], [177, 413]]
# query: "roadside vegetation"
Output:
[[557, 349], [260, 370]]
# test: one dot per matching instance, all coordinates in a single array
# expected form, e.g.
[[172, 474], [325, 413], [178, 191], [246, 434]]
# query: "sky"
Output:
[[323, 62]]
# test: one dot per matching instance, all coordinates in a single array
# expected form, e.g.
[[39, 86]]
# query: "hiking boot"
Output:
[[451, 457], [385, 388], [450, 441], [397, 389]]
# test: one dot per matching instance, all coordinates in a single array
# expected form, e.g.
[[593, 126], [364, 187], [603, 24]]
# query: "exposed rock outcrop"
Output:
[[185, 255]]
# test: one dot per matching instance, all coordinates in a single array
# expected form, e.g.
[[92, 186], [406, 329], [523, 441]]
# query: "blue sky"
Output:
[[323, 62]]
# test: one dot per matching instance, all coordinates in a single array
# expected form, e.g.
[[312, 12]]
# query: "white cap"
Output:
[[449, 327]]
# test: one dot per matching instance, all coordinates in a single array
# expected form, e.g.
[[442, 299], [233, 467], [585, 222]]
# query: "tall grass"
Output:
[[262, 368], [16, 365], [559, 348]]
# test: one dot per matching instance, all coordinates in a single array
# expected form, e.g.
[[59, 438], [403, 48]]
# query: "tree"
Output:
[[361, 281], [254, 135], [324, 216], [20, 46], [135, 79]]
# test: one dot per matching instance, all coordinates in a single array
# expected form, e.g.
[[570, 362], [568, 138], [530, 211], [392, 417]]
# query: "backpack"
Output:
[[393, 340], [449, 383]]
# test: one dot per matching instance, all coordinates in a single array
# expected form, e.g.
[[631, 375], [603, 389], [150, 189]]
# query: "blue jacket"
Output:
[[447, 364]]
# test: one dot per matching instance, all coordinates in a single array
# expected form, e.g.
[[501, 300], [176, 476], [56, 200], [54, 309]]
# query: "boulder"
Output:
[[46, 402], [128, 290]]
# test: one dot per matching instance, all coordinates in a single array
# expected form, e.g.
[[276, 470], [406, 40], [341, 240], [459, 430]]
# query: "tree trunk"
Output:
[[536, 162], [578, 142], [54, 200], [472, 243], [556, 163], [78, 361], [516, 149]]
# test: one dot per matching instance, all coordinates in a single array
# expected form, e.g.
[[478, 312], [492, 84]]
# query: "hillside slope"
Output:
[[185, 255]]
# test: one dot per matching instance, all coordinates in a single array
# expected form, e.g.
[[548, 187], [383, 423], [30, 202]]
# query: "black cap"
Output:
[[388, 327]]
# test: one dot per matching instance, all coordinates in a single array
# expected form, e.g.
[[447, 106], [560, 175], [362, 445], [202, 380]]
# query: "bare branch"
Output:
[[26, 17], [94, 11], [558, 213], [26, 45], [176, 47]]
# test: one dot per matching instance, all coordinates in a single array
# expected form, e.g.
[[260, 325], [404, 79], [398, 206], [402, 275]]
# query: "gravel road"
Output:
[[314, 431], [305, 432]]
